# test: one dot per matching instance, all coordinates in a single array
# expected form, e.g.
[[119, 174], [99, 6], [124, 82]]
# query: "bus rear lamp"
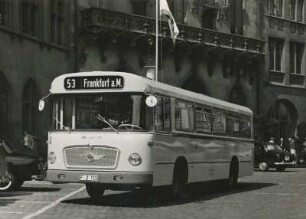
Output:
[[135, 159], [52, 157]]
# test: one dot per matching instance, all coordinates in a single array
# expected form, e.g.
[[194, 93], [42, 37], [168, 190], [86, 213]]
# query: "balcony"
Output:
[[95, 20], [297, 79], [276, 76]]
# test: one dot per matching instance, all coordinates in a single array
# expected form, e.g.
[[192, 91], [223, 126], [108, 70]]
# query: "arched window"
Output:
[[30, 100], [4, 107], [285, 113]]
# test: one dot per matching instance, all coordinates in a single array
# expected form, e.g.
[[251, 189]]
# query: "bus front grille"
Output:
[[91, 156]]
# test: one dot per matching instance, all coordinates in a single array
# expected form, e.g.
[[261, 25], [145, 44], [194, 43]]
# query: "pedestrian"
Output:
[[292, 148], [28, 141], [282, 144], [272, 140]]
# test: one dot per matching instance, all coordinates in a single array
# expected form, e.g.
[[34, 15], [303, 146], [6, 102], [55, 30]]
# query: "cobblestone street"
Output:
[[264, 195]]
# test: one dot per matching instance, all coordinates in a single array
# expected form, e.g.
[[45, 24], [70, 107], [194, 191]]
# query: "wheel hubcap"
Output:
[[263, 166]]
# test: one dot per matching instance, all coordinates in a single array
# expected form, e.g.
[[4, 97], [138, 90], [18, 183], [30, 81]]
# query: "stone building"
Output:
[[243, 51], [284, 89], [35, 46], [219, 51]]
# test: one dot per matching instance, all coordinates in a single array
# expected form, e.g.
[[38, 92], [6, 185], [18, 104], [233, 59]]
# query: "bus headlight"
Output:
[[52, 157], [135, 159]]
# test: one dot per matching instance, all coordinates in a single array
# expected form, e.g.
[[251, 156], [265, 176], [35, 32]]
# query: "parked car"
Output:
[[271, 155], [22, 165], [4, 177]]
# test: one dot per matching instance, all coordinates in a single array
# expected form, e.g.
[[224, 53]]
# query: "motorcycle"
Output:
[[21, 165]]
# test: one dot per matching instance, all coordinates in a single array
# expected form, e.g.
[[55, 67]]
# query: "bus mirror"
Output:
[[41, 105], [151, 101]]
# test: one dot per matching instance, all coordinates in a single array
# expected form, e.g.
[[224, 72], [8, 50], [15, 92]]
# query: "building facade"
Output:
[[243, 51], [284, 88], [35, 46], [219, 51]]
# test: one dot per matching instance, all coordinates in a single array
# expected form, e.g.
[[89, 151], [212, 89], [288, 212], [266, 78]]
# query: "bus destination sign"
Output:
[[93, 82]]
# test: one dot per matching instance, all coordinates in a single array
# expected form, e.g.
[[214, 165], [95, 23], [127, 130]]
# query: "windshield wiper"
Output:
[[67, 128], [101, 118]]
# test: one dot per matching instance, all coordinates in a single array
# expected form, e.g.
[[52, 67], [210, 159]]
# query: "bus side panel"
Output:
[[166, 150], [211, 160]]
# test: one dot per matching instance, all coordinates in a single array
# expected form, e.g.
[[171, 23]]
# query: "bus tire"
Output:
[[179, 180], [95, 191], [233, 174]]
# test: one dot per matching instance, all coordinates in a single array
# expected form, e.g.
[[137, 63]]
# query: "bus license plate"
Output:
[[89, 178]]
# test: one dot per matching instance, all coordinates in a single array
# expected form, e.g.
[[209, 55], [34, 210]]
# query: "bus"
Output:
[[116, 130]]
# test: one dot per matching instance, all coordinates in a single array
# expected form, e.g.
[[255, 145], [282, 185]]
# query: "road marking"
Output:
[[52, 204], [282, 194], [11, 212], [298, 215], [292, 184], [10, 200]]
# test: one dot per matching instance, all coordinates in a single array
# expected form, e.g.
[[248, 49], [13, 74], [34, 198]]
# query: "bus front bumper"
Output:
[[71, 176]]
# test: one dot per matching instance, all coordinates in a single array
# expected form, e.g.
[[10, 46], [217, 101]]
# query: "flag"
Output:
[[164, 10]]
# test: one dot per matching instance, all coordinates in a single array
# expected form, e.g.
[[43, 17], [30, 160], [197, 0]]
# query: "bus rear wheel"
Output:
[[95, 191]]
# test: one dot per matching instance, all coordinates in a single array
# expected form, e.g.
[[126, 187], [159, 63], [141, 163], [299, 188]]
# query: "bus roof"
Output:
[[136, 83]]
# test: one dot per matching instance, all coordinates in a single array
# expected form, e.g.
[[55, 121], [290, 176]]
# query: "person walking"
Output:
[[282, 144], [292, 148]]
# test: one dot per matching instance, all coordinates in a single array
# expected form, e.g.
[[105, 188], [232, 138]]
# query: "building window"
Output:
[[292, 9], [209, 16], [57, 21], [276, 47], [2, 12], [296, 54], [139, 7], [236, 20], [275, 7], [300, 8], [29, 16], [30, 100], [4, 107]]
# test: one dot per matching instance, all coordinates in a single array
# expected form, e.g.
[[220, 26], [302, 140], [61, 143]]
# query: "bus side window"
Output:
[[245, 126], [232, 124], [218, 122], [184, 116], [163, 112], [203, 120]]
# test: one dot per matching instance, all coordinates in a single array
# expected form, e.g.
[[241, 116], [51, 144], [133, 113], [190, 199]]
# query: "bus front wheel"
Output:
[[95, 191]]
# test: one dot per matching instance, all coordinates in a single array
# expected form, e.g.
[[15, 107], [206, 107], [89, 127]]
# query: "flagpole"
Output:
[[156, 39]]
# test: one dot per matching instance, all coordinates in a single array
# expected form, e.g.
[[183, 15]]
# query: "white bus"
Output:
[[115, 130]]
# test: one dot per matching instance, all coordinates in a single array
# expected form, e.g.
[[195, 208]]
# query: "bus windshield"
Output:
[[107, 111]]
